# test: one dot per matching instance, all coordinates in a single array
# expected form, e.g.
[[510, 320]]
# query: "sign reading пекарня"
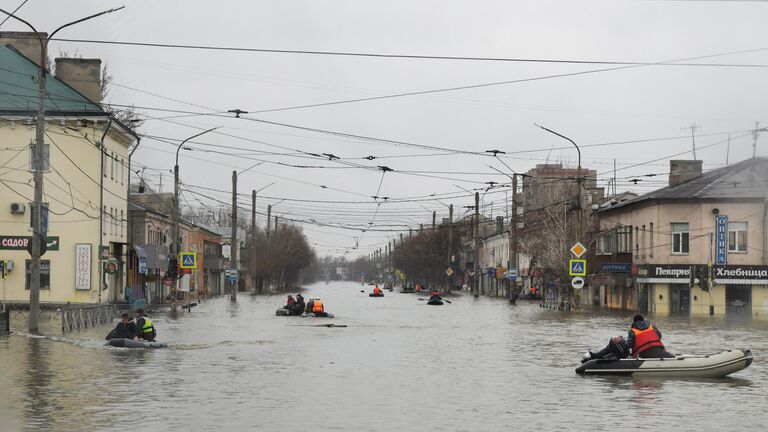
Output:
[[21, 242]]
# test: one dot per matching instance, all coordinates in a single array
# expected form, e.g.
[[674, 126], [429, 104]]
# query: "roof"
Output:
[[747, 179], [19, 89]]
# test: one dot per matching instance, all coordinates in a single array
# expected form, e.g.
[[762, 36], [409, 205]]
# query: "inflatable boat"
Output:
[[683, 366], [286, 312], [317, 315], [435, 302], [376, 295], [130, 343]]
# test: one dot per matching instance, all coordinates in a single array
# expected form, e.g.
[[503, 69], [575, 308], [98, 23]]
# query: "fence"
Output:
[[79, 317]]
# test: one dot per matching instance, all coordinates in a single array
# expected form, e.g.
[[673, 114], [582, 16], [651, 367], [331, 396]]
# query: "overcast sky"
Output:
[[630, 104]]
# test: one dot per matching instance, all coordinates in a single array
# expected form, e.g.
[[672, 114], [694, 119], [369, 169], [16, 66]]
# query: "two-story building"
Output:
[[85, 178], [649, 245]]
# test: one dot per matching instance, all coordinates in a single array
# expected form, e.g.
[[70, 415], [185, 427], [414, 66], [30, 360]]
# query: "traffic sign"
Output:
[[188, 260], [577, 282], [577, 267], [512, 274], [578, 249], [449, 271]]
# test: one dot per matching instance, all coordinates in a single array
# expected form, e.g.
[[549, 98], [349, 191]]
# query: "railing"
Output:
[[84, 316]]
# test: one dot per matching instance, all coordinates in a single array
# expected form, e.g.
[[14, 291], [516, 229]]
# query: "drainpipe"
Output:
[[128, 225], [101, 207], [765, 233]]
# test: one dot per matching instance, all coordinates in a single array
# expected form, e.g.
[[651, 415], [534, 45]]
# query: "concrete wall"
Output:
[[24, 42], [84, 75], [72, 190]]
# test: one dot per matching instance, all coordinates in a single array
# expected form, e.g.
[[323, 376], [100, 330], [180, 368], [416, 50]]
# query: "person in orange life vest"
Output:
[[376, 290], [317, 306], [645, 340], [418, 287], [435, 296]]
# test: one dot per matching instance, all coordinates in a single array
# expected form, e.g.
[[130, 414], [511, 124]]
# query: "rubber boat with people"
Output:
[[681, 366], [376, 294], [130, 343], [288, 312], [317, 315], [435, 302]]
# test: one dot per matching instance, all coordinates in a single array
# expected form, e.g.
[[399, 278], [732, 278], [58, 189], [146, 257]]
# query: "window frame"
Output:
[[44, 265], [684, 238], [744, 231]]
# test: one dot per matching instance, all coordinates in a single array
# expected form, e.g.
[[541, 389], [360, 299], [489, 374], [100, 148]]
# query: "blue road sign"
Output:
[[721, 229], [577, 267], [188, 260]]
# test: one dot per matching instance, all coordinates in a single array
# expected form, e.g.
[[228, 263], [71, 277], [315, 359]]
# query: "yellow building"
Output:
[[713, 223], [88, 153]]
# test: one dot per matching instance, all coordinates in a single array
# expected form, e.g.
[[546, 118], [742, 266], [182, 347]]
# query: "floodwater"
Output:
[[475, 364]]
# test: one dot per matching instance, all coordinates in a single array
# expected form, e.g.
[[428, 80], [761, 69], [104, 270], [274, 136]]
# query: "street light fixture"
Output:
[[175, 244], [37, 228], [578, 178]]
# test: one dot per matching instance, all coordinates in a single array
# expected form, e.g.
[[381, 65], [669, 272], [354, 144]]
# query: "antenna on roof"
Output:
[[693, 127]]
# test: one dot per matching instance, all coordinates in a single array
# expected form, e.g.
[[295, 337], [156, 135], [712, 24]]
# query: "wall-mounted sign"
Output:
[[111, 265], [615, 267], [721, 240], [22, 242], [83, 266]]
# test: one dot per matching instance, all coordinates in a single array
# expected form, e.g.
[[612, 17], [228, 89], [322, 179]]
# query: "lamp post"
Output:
[[175, 243], [39, 232], [450, 243], [578, 178]]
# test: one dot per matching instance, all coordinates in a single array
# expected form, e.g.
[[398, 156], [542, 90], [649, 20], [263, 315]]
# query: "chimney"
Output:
[[499, 224], [27, 43], [84, 75], [681, 171]]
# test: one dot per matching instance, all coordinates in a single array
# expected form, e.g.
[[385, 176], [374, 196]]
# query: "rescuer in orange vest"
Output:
[[645, 340], [376, 290]]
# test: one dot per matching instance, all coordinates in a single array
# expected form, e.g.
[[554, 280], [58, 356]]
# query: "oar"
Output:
[[318, 325], [447, 301]]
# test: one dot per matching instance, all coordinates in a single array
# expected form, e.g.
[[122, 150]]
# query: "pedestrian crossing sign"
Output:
[[577, 267], [188, 260]]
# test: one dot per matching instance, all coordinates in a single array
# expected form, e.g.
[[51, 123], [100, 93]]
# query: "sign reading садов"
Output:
[[721, 240], [22, 242]]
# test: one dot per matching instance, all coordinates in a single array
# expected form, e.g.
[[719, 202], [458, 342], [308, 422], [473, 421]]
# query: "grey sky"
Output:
[[623, 105]]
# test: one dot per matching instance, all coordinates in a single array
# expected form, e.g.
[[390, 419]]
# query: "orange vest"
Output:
[[377, 290], [317, 306], [645, 339]]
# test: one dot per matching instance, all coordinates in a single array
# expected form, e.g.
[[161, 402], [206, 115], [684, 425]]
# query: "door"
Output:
[[642, 299], [738, 301], [681, 300]]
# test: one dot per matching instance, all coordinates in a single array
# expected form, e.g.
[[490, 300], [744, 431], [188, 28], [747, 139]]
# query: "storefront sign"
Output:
[[741, 272], [664, 273], [615, 267], [83, 266], [21, 243], [721, 240]]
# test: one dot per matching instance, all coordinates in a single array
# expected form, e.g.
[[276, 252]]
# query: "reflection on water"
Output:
[[475, 364]]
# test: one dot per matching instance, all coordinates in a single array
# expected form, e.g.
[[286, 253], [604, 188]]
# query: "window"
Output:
[[112, 166], [122, 224], [737, 236], [605, 244], [642, 242], [45, 274], [650, 233], [624, 239], [680, 237], [637, 241], [122, 171]]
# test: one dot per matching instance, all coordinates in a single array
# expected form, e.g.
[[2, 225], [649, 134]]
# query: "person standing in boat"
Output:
[[125, 329], [144, 327], [300, 305], [645, 340]]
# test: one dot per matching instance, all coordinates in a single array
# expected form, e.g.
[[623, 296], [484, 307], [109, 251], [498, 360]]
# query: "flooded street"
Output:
[[475, 364]]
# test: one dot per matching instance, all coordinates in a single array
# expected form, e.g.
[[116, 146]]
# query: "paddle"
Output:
[[447, 301], [319, 325]]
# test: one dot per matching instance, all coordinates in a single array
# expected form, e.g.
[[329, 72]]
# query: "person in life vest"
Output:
[[289, 304], [125, 329], [435, 296], [645, 340], [144, 328], [376, 290], [418, 287]]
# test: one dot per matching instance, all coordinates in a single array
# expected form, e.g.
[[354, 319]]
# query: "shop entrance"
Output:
[[681, 300], [738, 301]]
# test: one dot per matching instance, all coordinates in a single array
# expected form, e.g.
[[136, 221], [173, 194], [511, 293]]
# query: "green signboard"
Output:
[[21, 242]]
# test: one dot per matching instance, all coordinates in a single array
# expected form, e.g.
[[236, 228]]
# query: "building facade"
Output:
[[85, 181], [695, 247]]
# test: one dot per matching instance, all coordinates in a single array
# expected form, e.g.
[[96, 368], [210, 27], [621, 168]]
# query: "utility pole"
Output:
[[756, 133], [234, 248], [513, 242], [269, 217], [252, 243], [434, 218], [476, 277], [450, 245], [39, 231], [276, 218]]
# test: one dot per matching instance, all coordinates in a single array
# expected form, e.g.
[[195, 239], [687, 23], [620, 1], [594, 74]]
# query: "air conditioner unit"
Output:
[[18, 208]]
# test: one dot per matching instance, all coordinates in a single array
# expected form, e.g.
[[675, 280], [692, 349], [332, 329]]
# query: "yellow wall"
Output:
[[74, 216], [760, 301], [660, 305], [700, 301]]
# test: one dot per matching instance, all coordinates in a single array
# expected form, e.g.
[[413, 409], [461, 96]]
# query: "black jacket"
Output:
[[123, 331]]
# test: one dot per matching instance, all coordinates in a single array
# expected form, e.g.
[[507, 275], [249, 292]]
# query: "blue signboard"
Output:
[[615, 267], [721, 240], [142, 265]]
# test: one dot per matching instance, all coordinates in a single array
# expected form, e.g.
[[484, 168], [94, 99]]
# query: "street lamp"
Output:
[[175, 245], [38, 234], [578, 178]]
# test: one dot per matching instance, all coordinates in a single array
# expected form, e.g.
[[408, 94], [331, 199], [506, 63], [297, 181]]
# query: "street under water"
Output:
[[474, 364]]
